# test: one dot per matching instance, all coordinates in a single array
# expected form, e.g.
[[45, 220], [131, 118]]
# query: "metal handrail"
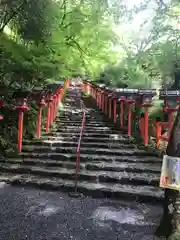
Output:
[[79, 143]]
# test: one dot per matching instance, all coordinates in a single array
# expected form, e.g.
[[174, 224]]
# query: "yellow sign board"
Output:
[[170, 173]]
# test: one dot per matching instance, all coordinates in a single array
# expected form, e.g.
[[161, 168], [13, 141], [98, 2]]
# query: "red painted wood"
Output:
[[146, 126], [48, 117], [121, 114], [114, 110], [20, 129], [39, 116], [129, 118]]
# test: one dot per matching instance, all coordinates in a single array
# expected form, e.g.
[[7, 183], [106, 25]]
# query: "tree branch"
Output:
[[78, 46], [62, 5], [13, 14], [71, 42], [64, 14], [67, 25]]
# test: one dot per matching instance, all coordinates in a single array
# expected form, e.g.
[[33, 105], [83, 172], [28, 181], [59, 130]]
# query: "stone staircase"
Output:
[[111, 164]]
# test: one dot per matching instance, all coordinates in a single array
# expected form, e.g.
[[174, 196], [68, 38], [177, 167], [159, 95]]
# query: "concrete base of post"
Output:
[[75, 194]]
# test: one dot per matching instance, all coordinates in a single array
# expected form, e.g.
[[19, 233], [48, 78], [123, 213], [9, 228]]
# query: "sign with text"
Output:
[[170, 173]]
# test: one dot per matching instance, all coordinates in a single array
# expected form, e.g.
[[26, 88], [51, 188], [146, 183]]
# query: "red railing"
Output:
[[107, 101], [79, 144], [160, 126]]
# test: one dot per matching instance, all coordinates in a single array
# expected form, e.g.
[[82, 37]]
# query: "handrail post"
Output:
[[129, 118], [121, 102], [79, 145], [39, 115], [21, 108], [114, 110], [158, 134], [142, 125], [110, 105], [106, 104]]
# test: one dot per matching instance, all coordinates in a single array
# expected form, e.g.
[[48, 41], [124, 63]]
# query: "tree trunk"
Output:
[[170, 222]]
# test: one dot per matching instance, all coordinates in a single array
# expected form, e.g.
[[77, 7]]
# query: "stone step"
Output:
[[120, 191], [93, 166], [85, 134], [86, 130], [71, 143], [107, 151], [77, 128], [87, 139], [84, 175], [87, 124], [78, 118], [91, 158], [89, 114], [65, 120], [71, 110], [50, 147], [128, 167], [70, 114]]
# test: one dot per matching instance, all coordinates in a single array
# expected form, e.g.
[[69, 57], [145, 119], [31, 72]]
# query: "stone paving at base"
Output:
[[31, 214]]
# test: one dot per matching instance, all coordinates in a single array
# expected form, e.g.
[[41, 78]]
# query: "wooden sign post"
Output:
[[170, 173]]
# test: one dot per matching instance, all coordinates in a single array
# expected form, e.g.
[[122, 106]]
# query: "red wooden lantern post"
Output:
[[59, 99], [21, 107], [99, 98], [61, 95], [52, 109], [91, 90], [84, 87], [110, 105], [145, 101], [102, 106], [130, 104], [171, 102], [39, 115], [170, 111], [114, 108], [55, 105], [1, 117], [48, 118], [142, 125], [121, 101], [128, 96], [106, 103], [68, 82], [2, 104], [96, 94], [146, 123], [88, 89]]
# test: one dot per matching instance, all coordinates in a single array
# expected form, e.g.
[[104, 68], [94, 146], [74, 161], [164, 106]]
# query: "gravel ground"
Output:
[[39, 215]]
